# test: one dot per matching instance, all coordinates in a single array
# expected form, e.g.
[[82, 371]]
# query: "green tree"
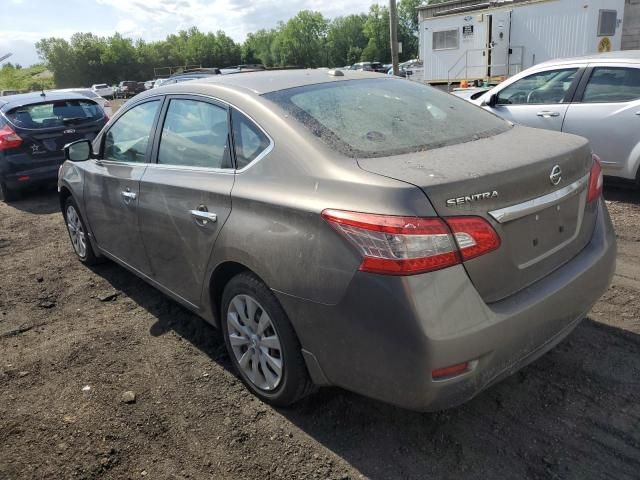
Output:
[[376, 29], [257, 47], [345, 37], [353, 55], [57, 54], [302, 39], [408, 28], [15, 77]]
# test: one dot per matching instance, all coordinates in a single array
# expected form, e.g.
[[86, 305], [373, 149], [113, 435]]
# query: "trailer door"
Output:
[[499, 32]]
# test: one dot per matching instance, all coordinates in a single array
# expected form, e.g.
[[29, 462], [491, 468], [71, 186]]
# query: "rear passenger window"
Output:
[[195, 134], [248, 139], [127, 139], [611, 85]]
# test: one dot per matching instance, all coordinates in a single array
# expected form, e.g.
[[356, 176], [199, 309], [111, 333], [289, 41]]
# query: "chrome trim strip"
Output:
[[189, 168], [529, 207]]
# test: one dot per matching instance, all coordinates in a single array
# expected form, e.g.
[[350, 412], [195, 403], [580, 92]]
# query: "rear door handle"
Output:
[[203, 217], [547, 114]]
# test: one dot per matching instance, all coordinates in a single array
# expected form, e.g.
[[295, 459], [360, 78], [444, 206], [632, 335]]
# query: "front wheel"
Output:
[[261, 342], [78, 233]]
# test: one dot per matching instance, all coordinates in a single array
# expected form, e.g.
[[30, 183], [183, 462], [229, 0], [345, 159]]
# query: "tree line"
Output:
[[306, 40]]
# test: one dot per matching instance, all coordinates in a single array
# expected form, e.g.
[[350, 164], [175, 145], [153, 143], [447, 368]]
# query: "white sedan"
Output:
[[596, 96], [103, 90]]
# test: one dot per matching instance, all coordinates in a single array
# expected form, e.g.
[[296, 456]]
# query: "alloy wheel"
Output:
[[254, 342], [76, 232]]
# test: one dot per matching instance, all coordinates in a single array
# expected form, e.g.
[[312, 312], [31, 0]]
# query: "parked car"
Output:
[[416, 257], [596, 96], [87, 92], [34, 127], [243, 69], [5, 93], [411, 69], [369, 67], [471, 93], [149, 84], [129, 88], [103, 90], [189, 75]]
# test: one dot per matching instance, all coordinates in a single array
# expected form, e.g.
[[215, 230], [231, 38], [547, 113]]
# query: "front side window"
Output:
[[249, 141], [385, 116], [611, 85], [445, 40], [128, 137], [547, 87], [195, 134]]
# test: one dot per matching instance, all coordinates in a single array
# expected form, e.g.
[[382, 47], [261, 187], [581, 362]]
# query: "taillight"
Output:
[[9, 138], [595, 179], [408, 245], [474, 235]]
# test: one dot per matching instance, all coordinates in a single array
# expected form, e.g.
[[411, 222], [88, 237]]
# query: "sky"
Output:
[[24, 22]]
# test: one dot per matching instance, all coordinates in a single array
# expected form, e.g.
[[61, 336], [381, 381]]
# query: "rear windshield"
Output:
[[385, 116], [101, 85], [55, 114]]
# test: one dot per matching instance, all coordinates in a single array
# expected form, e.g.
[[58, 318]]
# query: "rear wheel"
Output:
[[7, 194], [78, 233], [261, 342]]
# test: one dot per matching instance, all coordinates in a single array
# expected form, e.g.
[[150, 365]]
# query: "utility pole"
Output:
[[393, 30]]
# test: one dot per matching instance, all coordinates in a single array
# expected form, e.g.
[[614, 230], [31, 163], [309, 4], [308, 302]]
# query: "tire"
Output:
[[77, 230], [7, 194], [259, 347]]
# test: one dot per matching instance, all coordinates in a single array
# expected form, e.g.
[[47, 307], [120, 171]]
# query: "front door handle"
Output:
[[203, 217], [547, 114], [128, 196]]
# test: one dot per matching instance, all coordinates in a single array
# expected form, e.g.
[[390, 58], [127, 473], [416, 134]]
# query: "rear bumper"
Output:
[[387, 334], [16, 180]]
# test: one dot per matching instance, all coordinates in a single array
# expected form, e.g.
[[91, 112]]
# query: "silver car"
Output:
[[415, 257], [597, 97]]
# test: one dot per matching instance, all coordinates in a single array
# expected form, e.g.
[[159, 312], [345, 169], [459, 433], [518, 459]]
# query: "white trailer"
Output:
[[483, 39]]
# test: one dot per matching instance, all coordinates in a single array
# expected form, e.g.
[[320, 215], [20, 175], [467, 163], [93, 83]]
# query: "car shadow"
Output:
[[571, 414], [37, 201], [621, 192]]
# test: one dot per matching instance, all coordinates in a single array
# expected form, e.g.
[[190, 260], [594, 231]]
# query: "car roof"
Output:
[[624, 56], [261, 82], [12, 101]]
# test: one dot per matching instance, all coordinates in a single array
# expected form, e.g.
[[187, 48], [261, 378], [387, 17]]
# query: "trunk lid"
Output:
[[506, 179], [46, 127]]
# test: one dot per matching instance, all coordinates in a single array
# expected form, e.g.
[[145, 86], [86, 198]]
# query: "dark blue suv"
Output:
[[34, 128]]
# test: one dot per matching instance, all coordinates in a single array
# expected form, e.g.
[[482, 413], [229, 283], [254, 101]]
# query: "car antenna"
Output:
[[43, 94]]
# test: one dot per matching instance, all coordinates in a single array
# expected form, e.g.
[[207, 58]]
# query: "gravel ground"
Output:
[[101, 376]]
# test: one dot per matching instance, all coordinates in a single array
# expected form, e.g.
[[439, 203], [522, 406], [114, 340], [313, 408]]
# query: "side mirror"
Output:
[[493, 100], [78, 151]]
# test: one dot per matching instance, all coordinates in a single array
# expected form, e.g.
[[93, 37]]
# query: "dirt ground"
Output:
[[73, 340]]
